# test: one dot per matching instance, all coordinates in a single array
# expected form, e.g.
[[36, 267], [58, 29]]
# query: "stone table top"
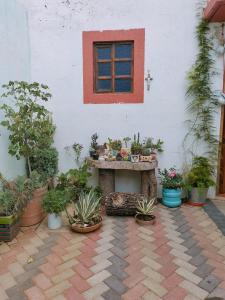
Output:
[[124, 165]]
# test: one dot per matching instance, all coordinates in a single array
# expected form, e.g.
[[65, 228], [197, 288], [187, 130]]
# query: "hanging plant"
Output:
[[202, 99]]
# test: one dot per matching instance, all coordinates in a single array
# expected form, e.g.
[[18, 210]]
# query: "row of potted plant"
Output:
[[31, 138], [195, 182], [126, 149]]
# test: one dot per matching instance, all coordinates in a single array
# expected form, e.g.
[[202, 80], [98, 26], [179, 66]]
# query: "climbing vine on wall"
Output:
[[202, 101]]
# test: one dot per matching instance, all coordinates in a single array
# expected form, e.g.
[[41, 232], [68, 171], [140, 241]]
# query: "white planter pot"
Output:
[[54, 221]]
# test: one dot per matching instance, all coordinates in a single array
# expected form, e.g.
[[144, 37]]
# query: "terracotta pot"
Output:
[[141, 221], [33, 213], [77, 228]]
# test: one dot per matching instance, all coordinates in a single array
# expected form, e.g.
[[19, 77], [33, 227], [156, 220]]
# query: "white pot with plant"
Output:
[[54, 203]]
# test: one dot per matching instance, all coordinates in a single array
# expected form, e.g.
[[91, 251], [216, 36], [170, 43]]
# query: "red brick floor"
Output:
[[181, 257]]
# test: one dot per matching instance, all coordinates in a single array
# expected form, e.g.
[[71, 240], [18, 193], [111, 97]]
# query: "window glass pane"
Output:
[[123, 85], [104, 69], [123, 68], [123, 51], [104, 52], [104, 84]]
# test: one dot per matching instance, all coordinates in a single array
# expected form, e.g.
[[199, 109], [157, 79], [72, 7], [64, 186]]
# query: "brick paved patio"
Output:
[[181, 257]]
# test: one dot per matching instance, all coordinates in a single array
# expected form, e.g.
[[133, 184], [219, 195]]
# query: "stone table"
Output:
[[107, 174]]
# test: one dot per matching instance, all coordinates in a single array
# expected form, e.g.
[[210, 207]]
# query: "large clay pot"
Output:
[[33, 213]]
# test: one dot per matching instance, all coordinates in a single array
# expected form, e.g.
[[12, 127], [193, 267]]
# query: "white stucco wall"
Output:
[[55, 29], [14, 65]]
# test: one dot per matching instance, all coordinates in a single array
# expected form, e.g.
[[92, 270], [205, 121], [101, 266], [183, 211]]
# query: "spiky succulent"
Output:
[[86, 209], [145, 206]]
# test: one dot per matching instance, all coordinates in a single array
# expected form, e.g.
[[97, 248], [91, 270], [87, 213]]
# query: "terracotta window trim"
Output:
[[90, 38]]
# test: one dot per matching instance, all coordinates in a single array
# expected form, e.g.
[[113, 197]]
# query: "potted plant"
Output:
[[53, 204], [136, 148], [150, 148], [13, 199], [94, 147], [31, 129], [171, 182], [145, 208], [33, 212], [199, 179], [86, 216], [114, 146]]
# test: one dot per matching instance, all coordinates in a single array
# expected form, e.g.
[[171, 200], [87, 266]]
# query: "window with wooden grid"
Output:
[[113, 67]]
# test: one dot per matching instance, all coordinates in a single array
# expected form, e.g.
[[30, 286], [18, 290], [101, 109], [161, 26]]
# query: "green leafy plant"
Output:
[[75, 181], [150, 145], [45, 162], [14, 195], [86, 209], [7, 203], [136, 146], [145, 206], [202, 100], [55, 201], [115, 144], [200, 174], [28, 121], [171, 179]]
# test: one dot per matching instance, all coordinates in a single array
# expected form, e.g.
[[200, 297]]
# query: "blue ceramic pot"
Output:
[[171, 197]]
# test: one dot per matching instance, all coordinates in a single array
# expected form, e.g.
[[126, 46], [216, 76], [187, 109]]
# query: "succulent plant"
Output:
[[145, 206]]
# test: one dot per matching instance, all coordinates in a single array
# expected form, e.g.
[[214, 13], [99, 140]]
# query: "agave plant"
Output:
[[86, 209], [145, 207]]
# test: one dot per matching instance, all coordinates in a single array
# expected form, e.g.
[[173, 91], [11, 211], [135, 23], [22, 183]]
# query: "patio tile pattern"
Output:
[[181, 257]]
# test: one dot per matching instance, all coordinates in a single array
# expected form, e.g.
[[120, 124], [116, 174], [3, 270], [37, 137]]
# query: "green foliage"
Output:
[[75, 181], [7, 203], [170, 179], [94, 143], [35, 181], [115, 144], [202, 100], [86, 209], [201, 173], [136, 146], [145, 206], [15, 195], [28, 121], [45, 162], [151, 146], [55, 201]]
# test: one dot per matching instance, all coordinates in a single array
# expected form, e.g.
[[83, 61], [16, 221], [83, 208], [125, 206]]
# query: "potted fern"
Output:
[[144, 214], [86, 216]]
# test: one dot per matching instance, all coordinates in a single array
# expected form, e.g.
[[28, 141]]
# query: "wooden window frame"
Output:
[[92, 37], [112, 60]]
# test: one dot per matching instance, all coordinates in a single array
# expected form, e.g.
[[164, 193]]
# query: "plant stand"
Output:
[[107, 183]]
